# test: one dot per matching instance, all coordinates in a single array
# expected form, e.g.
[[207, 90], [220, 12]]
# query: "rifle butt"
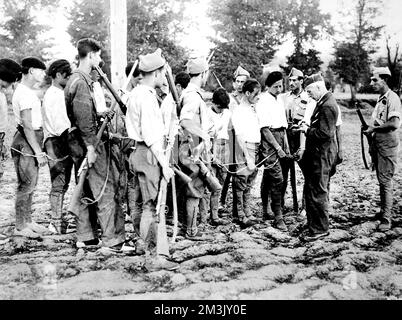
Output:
[[76, 196]]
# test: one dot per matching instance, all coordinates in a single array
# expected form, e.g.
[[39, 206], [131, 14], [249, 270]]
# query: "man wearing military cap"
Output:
[[101, 182], [10, 72], [240, 76], [148, 162], [385, 133], [297, 105], [27, 145], [319, 157], [196, 123]]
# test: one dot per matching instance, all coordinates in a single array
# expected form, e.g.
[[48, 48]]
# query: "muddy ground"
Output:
[[354, 262]]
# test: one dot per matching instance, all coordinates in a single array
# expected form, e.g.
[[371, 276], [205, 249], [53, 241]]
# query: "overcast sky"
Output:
[[197, 40]]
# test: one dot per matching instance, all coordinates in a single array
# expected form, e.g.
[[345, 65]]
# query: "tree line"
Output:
[[248, 33]]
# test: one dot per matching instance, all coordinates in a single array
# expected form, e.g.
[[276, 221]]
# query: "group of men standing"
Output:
[[227, 141]]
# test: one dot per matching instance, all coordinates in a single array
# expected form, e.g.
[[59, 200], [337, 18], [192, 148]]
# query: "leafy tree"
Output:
[[19, 32], [305, 23], [152, 24], [393, 63], [352, 57], [248, 34]]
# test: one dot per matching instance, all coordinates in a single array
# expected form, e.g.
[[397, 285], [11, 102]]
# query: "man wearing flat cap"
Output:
[[27, 145], [274, 148], [385, 136], [101, 182], [148, 162], [319, 157], [196, 124], [10, 72]]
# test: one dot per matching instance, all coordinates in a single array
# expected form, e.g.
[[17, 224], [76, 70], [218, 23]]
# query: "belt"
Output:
[[277, 129]]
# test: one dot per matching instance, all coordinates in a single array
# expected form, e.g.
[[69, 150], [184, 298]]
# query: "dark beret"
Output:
[[10, 70], [273, 77], [32, 62]]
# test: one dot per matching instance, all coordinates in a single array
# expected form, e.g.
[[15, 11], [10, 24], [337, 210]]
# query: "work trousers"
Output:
[[385, 158], [27, 171], [145, 186], [318, 165], [272, 180], [60, 166], [101, 184]]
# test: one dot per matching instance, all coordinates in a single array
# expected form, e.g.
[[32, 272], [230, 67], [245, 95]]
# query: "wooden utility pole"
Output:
[[118, 41]]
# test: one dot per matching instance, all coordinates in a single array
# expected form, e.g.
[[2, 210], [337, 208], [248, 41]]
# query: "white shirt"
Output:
[[246, 124], [235, 99], [169, 114], [195, 108], [99, 95], [271, 111], [25, 98], [3, 113], [55, 120], [298, 107], [388, 106], [221, 123], [144, 121]]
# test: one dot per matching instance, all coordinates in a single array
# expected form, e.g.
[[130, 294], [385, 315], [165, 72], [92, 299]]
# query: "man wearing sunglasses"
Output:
[[56, 124], [384, 149]]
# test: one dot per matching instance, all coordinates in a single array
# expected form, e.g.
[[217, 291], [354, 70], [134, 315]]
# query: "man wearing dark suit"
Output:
[[320, 156]]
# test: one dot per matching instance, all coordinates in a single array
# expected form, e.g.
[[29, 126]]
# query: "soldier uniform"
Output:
[[385, 146]]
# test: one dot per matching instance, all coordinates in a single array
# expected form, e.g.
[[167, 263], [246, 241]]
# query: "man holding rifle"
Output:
[[148, 162], [100, 185], [385, 141]]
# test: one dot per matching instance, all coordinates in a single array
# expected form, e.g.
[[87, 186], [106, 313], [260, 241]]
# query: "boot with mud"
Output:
[[26, 233], [159, 262], [280, 224], [39, 229], [385, 225]]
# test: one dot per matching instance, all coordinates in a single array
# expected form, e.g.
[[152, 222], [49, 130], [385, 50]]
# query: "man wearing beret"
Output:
[[320, 156], [148, 162], [195, 121], [10, 72], [101, 185], [274, 147], [56, 124], [298, 105], [385, 133], [27, 145]]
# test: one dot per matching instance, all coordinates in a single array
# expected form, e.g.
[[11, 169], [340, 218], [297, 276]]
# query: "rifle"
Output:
[[83, 170], [369, 137]]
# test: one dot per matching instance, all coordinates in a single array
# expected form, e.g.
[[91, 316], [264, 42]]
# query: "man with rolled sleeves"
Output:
[[196, 124], [274, 148], [10, 72], [148, 162], [101, 183], [298, 105], [320, 157], [385, 136], [27, 146]]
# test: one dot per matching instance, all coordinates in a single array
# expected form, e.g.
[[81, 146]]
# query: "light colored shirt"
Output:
[[55, 120], [246, 124], [298, 106], [194, 108], [99, 96], [221, 123], [25, 98], [271, 112], [235, 99], [169, 114], [144, 121], [3, 113], [388, 106]]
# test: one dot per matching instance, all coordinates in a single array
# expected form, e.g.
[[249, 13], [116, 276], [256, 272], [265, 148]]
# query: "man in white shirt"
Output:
[[246, 125], [27, 146], [148, 162], [274, 148], [56, 124], [10, 72]]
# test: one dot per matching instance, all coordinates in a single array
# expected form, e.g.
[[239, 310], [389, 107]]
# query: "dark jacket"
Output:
[[321, 146]]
